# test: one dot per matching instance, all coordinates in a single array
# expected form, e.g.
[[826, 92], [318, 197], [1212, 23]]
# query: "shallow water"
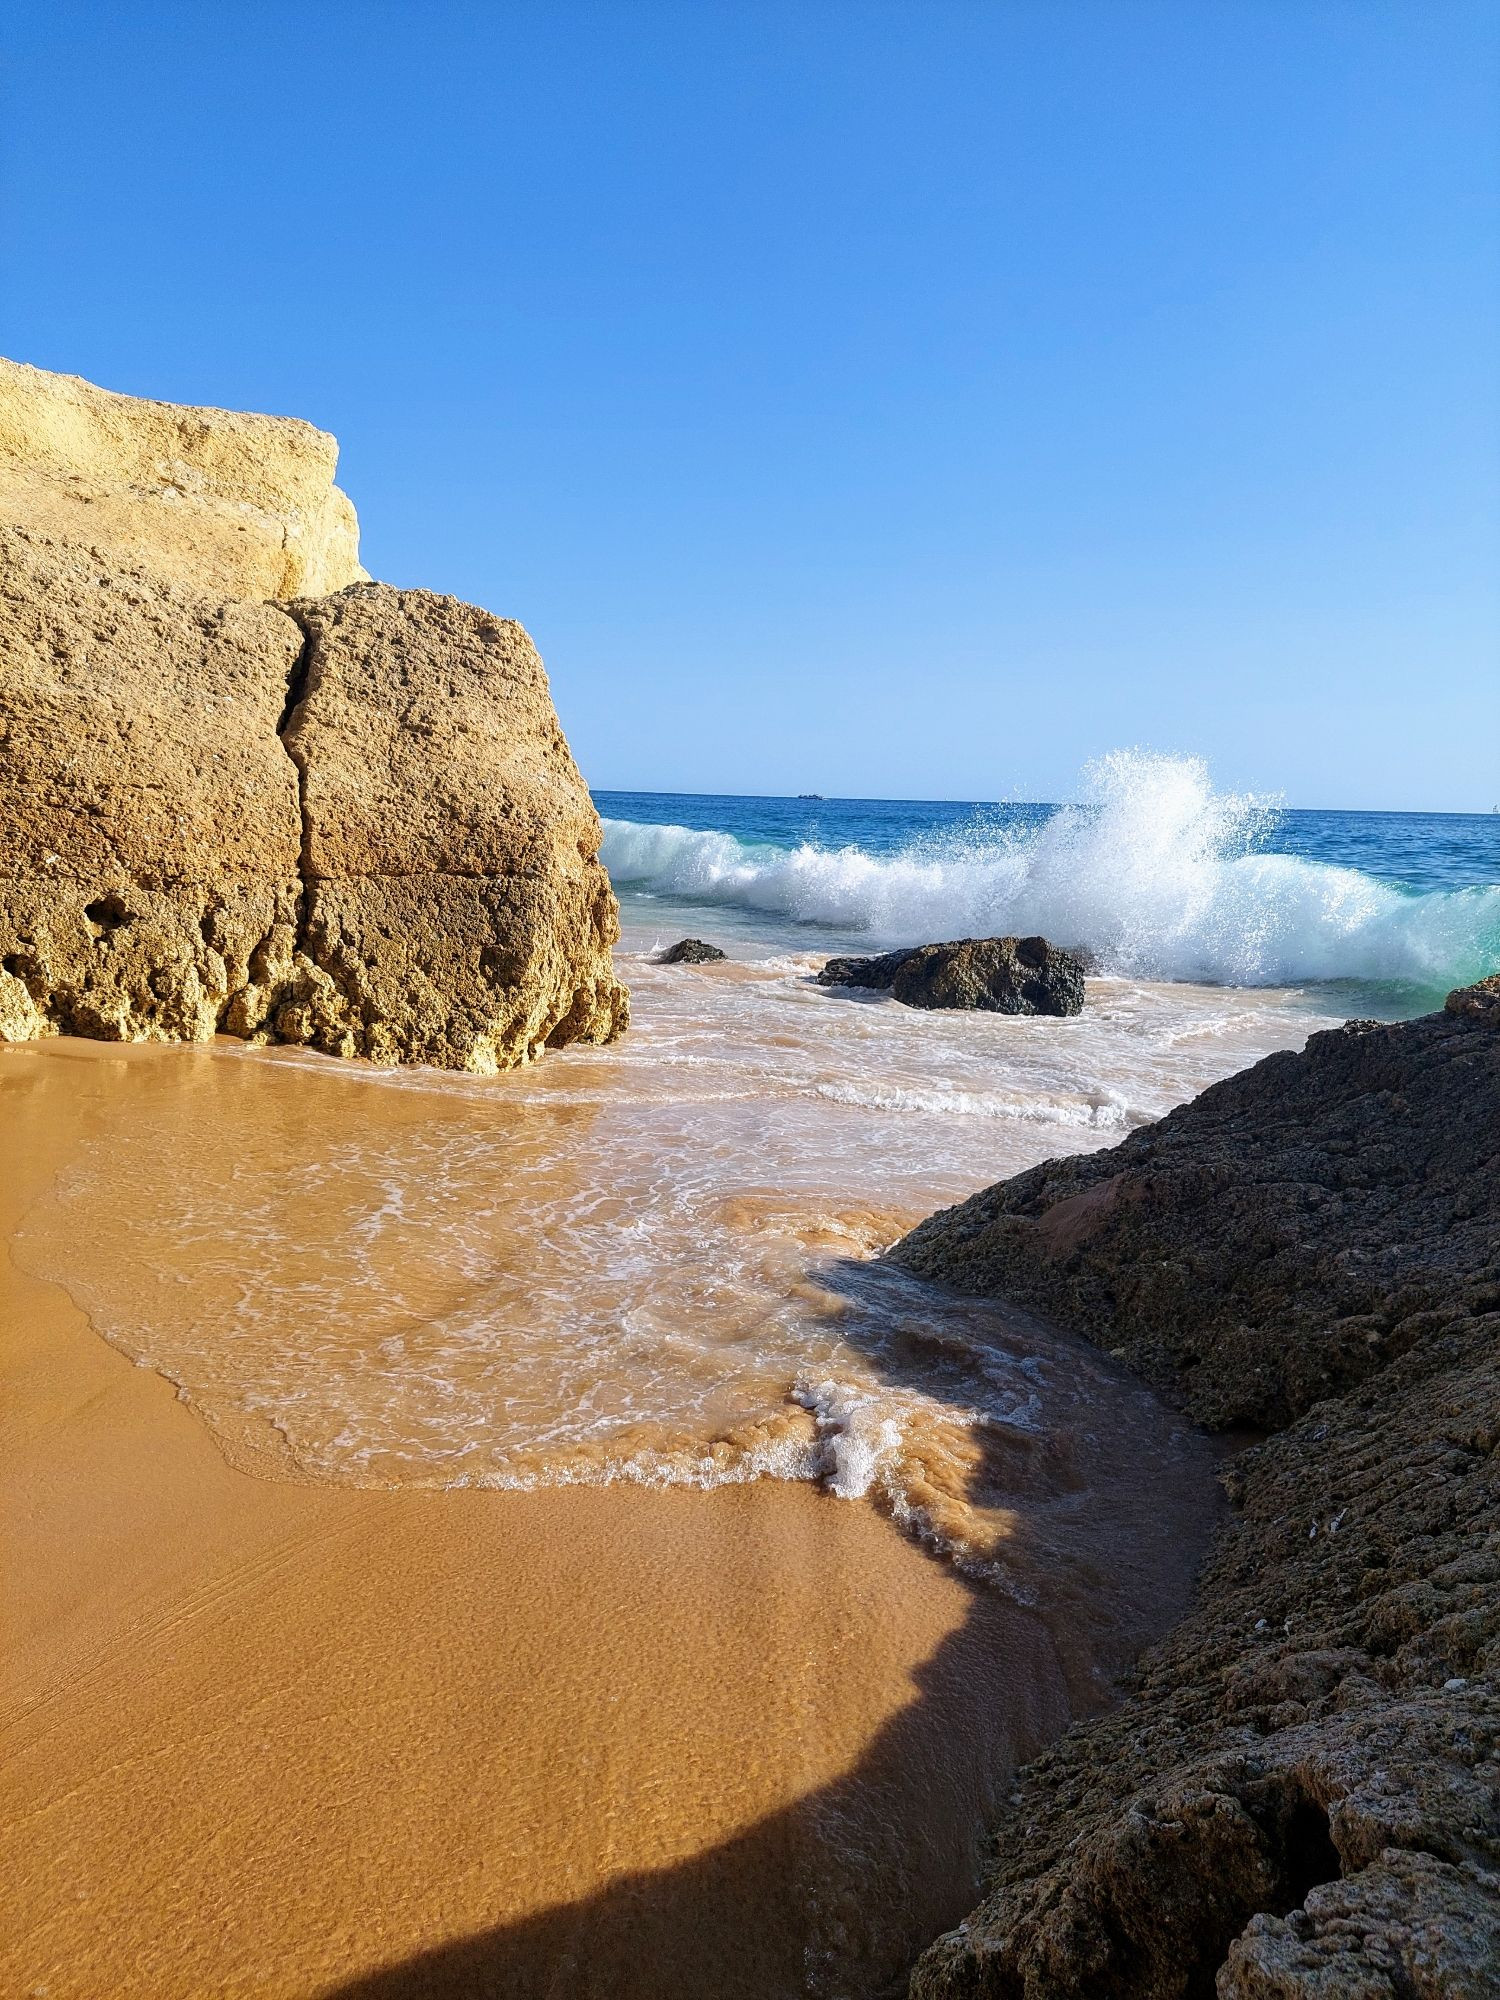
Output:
[[286, 1736], [652, 1262], [764, 1750]]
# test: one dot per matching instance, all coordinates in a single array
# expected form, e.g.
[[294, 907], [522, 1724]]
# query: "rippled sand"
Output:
[[401, 1652]]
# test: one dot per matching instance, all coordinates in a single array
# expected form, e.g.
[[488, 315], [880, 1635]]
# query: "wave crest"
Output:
[[1156, 876]]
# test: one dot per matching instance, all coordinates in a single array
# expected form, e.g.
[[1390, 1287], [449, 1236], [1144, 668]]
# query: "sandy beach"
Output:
[[749, 1003], [270, 1736]]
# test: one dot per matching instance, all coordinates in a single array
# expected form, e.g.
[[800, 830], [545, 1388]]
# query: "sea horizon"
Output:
[[1158, 874]]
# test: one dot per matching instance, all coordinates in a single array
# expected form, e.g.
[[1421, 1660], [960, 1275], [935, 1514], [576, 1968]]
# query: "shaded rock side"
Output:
[[1300, 1799], [233, 504], [996, 975], [454, 900], [1274, 1240], [357, 828]]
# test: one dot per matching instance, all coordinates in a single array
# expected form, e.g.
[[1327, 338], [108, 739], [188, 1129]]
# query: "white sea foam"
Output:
[[859, 1436], [1156, 876], [1108, 1113]]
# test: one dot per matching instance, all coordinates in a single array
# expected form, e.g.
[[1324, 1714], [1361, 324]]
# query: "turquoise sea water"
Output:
[[1153, 874]]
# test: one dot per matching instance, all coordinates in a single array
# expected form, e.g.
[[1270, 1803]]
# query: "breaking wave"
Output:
[[1156, 876]]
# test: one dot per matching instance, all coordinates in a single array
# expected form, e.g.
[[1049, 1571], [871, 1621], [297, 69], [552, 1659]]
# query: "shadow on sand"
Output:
[[837, 1894]]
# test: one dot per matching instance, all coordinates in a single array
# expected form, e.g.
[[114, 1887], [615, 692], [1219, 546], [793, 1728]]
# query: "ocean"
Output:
[[1154, 875]]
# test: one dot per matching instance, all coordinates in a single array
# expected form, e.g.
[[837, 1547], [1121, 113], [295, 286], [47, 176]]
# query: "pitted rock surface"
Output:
[[1300, 1797], [354, 825], [228, 502]]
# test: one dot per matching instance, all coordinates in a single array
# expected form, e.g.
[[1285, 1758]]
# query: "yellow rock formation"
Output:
[[236, 505]]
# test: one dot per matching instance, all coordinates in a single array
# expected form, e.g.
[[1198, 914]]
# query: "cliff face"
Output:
[[454, 905], [351, 821], [231, 503], [148, 814], [1301, 1798]]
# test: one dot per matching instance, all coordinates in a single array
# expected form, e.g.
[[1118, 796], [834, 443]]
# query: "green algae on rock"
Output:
[[997, 975]]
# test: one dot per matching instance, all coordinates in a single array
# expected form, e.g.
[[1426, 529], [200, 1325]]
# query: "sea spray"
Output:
[[1154, 875]]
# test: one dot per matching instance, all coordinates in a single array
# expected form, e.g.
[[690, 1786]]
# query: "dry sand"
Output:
[[290, 1739]]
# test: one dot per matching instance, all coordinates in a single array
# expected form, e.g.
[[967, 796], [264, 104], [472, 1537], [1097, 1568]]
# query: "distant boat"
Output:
[[818, 795]]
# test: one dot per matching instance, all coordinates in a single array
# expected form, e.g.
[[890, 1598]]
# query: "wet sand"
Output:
[[288, 1738]]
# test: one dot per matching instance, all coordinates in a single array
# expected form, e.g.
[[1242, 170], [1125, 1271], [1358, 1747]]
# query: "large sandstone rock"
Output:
[[233, 504], [1301, 1798], [355, 825], [1000, 975], [454, 900], [149, 830]]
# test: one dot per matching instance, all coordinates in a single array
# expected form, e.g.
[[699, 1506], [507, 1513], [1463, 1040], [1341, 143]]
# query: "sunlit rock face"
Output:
[[350, 821], [229, 502], [456, 911]]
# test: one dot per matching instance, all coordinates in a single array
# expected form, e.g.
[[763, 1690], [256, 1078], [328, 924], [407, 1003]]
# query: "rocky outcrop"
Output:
[[998, 975], [454, 905], [149, 829], [1480, 1002], [1301, 1797], [690, 951], [232, 504], [1271, 1242], [350, 822]]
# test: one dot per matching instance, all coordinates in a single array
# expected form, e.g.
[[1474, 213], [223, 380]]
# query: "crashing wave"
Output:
[[1156, 876]]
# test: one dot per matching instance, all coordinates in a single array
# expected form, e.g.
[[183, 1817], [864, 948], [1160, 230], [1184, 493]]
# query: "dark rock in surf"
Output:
[[994, 975], [691, 951], [873, 974]]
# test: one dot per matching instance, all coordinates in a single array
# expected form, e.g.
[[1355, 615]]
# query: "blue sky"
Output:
[[908, 400]]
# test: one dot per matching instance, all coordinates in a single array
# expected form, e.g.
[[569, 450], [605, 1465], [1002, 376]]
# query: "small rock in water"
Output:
[[690, 951], [996, 975]]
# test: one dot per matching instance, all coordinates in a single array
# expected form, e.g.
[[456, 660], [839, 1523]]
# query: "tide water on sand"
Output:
[[698, 1672], [602, 1569]]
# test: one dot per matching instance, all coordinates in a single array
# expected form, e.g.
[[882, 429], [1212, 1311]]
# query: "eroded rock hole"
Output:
[[106, 915], [1308, 1855]]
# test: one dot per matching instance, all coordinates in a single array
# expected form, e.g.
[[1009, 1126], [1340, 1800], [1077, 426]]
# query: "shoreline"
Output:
[[462, 1715], [363, 1665], [284, 1738]]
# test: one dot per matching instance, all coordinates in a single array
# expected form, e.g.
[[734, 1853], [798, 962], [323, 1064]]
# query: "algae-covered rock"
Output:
[[691, 951], [1003, 975]]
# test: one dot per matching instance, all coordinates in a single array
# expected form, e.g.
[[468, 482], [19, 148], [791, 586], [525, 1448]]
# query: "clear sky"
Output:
[[879, 399]]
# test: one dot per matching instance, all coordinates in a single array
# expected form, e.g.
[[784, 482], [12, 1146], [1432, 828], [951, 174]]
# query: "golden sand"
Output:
[[280, 1738]]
